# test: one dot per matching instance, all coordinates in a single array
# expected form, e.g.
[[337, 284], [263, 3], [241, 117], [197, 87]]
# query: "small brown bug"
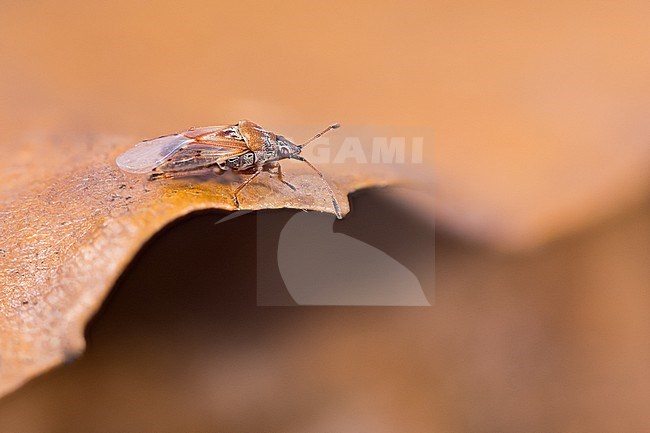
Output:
[[244, 148]]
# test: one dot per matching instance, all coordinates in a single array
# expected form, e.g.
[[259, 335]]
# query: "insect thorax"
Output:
[[269, 148]]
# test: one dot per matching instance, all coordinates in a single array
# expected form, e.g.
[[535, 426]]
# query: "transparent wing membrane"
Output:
[[148, 154]]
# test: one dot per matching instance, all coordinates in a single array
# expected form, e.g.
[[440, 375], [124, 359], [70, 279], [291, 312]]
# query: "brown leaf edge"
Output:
[[66, 240]]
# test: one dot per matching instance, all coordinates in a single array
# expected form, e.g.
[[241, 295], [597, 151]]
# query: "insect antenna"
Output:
[[337, 209], [333, 126]]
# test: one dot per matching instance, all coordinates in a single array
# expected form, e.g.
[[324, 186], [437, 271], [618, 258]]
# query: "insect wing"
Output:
[[149, 154], [215, 142], [203, 145], [215, 133], [197, 156]]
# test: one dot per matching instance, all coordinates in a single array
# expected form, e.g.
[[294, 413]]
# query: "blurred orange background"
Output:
[[540, 109], [540, 112]]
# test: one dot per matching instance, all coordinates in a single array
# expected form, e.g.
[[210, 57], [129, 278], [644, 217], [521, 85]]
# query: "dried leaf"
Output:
[[71, 222]]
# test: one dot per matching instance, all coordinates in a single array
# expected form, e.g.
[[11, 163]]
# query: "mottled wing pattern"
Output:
[[195, 147]]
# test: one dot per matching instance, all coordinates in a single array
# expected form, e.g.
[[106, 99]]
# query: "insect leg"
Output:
[[278, 173], [337, 210], [243, 185]]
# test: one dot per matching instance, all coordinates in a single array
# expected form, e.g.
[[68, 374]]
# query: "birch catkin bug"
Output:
[[244, 148]]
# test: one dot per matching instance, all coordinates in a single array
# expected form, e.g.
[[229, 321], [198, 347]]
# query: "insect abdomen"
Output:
[[186, 160], [241, 162]]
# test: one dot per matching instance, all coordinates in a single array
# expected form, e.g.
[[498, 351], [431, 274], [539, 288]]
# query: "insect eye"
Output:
[[284, 152]]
